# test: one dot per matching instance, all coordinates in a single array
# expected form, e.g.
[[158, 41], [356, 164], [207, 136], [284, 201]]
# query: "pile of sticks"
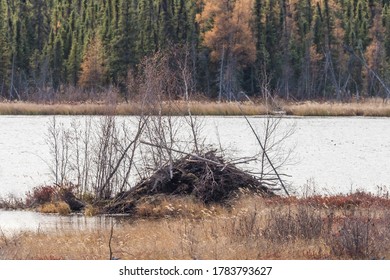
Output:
[[207, 177]]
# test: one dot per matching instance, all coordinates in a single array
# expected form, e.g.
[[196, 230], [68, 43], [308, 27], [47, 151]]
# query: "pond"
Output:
[[334, 154], [16, 221]]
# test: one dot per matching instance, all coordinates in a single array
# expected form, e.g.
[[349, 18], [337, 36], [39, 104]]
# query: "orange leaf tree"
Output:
[[226, 32]]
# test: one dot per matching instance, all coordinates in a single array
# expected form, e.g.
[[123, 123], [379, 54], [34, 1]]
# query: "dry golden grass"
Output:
[[221, 109], [371, 107], [161, 206], [173, 108], [22, 108], [59, 207], [253, 228], [90, 210]]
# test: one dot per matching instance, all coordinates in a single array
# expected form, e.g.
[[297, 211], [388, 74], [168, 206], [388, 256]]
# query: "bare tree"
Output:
[[99, 159], [58, 140]]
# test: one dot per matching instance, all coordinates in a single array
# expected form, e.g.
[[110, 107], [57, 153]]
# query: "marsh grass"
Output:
[[252, 228], [22, 108], [59, 207], [90, 210], [164, 206], [134, 108], [370, 107]]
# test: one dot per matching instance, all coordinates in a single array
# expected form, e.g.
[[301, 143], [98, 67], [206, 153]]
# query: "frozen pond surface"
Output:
[[338, 154]]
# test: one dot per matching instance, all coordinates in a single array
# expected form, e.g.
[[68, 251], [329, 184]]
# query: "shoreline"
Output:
[[315, 227], [368, 108]]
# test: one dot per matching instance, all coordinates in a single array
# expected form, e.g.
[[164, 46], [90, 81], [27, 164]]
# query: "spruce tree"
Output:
[[262, 55], [273, 32], [57, 63], [386, 25], [302, 48], [146, 22], [73, 62], [121, 54], [165, 24], [40, 21], [5, 53]]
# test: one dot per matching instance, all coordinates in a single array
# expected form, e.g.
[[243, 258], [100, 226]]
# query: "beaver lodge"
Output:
[[208, 178]]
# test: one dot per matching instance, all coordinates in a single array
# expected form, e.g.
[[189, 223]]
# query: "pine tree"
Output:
[[73, 62], [386, 25], [262, 56], [40, 23], [57, 63], [374, 54], [165, 24], [147, 34], [106, 27], [357, 24], [273, 36], [122, 49], [5, 55], [318, 28], [302, 48], [21, 47], [295, 46], [184, 21]]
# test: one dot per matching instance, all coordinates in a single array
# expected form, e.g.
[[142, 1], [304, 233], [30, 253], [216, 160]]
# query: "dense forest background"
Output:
[[296, 49]]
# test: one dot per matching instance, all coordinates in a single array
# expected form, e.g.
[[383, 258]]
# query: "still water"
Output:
[[336, 154], [15, 221]]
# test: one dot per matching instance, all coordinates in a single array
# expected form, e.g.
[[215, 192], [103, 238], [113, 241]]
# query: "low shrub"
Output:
[[289, 224], [11, 202], [40, 195], [357, 238], [245, 226]]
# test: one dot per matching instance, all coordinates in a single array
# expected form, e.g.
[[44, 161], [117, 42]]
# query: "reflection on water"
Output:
[[15, 221]]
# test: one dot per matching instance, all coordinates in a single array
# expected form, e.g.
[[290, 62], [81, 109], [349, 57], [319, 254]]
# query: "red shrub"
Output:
[[40, 195]]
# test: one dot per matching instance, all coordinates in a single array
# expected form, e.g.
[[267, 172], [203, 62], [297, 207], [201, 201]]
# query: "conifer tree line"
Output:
[[295, 49]]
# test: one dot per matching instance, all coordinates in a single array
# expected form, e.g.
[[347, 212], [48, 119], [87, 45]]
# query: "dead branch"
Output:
[[265, 153], [182, 152]]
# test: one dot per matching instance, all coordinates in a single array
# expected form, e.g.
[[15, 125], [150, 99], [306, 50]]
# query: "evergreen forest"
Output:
[[293, 49]]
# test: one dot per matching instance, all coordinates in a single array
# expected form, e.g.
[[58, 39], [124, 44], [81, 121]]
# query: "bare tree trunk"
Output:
[[329, 63], [266, 156], [118, 162], [364, 63], [221, 74], [11, 88]]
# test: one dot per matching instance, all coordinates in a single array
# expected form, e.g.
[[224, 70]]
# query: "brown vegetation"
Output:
[[252, 228], [53, 199], [11, 202], [177, 108], [60, 207], [371, 107]]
